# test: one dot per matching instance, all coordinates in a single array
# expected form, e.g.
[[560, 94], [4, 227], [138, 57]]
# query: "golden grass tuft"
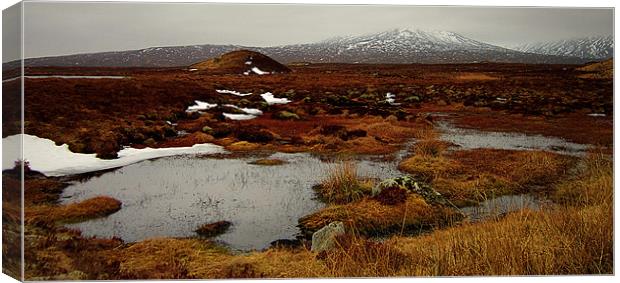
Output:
[[466, 177], [368, 216], [343, 185], [87, 209], [242, 146], [429, 167], [592, 184], [430, 147], [565, 241]]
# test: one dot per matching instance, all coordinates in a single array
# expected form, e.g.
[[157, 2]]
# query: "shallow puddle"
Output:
[[471, 139], [172, 196], [499, 206]]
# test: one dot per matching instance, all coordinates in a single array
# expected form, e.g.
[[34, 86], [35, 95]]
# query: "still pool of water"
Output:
[[471, 139], [175, 195]]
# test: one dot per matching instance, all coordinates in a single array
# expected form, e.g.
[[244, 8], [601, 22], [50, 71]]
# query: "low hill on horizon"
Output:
[[241, 62]]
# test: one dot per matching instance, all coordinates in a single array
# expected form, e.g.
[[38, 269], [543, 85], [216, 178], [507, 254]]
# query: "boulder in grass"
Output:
[[325, 238], [213, 229]]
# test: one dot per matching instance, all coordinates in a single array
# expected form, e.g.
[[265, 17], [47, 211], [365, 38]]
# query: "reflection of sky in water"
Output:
[[470, 139], [174, 196]]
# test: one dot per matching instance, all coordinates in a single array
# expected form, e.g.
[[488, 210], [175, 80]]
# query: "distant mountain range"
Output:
[[595, 48], [394, 46]]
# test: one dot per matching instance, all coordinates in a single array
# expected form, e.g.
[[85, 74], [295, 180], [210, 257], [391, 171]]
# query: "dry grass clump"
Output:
[[592, 184], [527, 168], [169, 258], [356, 256], [368, 216], [466, 177], [429, 167], [242, 146], [343, 185], [430, 147], [91, 208]]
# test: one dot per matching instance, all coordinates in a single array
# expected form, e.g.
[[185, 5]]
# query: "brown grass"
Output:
[[470, 176], [242, 146], [591, 186], [343, 185], [475, 77], [368, 216], [268, 162], [91, 208], [429, 167], [573, 239]]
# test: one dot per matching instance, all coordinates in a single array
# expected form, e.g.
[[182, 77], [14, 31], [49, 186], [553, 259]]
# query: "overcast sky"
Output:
[[69, 28]]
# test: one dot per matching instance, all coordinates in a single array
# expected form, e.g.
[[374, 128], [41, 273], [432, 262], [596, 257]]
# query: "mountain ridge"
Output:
[[592, 47], [394, 46]]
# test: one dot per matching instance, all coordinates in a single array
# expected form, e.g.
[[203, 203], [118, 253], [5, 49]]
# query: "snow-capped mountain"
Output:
[[393, 46], [601, 47], [397, 46]]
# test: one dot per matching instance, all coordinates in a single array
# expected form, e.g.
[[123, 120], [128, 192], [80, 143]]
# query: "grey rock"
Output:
[[325, 238]]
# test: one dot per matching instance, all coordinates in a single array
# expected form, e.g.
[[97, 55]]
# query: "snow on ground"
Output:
[[45, 156], [391, 98], [268, 97], [596, 114], [248, 62], [200, 105], [251, 111], [239, 116], [192, 70], [259, 71], [232, 92], [247, 73]]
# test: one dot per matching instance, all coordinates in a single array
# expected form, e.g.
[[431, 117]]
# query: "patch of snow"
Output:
[[268, 97], [248, 62], [239, 116], [200, 105], [232, 92], [391, 98], [247, 73], [251, 111], [192, 70], [259, 71], [597, 115], [45, 156]]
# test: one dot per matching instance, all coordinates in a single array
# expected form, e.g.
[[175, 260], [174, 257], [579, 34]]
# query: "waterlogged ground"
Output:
[[172, 196], [175, 195], [472, 139]]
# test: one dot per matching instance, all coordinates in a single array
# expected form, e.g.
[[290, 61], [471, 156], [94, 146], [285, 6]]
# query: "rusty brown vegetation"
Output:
[[341, 110]]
